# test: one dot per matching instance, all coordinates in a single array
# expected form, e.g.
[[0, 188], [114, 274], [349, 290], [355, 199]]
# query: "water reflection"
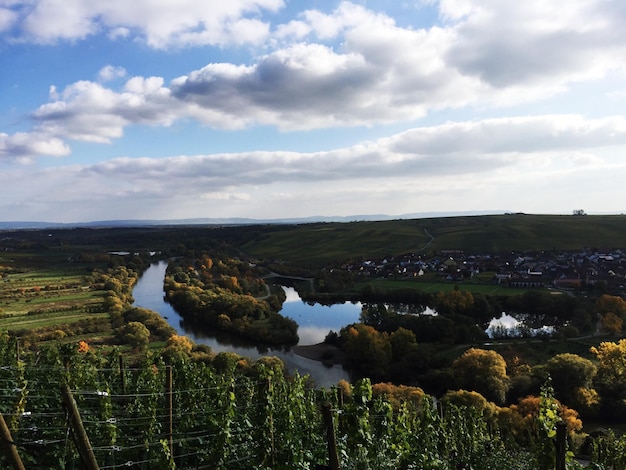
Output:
[[508, 326], [315, 322]]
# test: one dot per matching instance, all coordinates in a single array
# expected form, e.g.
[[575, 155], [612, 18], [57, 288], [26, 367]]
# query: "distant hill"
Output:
[[327, 239], [428, 236], [34, 225]]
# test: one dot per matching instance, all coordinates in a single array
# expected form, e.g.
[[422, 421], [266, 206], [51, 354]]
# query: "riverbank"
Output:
[[327, 354]]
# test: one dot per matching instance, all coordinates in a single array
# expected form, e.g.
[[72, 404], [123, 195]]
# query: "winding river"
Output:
[[314, 320]]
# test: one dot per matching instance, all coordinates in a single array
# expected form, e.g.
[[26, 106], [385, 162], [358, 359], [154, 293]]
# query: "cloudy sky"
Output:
[[163, 109]]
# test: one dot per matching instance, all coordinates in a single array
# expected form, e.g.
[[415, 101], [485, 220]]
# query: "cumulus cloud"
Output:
[[90, 112], [451, 149], [22, 146], [347, 67], [516, 134], [160, 24], [451, 165], [110, 72], [380, 73], [534, 42], [7, 18]]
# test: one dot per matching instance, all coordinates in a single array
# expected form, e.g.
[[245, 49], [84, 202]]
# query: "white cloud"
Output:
[[22, 146], [373, 72], [225, 196], [110, 72], [7, 19], [470, 148], [160, 24], [88, 111], [535, 43], [508, 163]]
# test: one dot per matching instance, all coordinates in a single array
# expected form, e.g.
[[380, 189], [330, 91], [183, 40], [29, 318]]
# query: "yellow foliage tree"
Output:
[[611, 323], [396, 394], [483, 371]]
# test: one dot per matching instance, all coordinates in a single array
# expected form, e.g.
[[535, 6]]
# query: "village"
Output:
[[588, 269]]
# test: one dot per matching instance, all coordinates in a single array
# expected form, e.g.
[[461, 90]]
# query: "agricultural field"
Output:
[[327, 242], [434, 286], [46, 295]]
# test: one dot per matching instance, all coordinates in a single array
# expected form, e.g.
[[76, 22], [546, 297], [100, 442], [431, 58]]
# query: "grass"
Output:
[[327, 242], [41, 289], [433, 286]]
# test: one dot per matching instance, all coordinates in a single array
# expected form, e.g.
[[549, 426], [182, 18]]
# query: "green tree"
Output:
[[483, 371], [135, 334], [570, 372], [572, 380], [403, 343]]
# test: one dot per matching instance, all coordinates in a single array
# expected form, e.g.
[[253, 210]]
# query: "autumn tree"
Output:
[[611, 323], [403, 343], [475, 400], [178, 346], [483, 371], [610, 380], [454, 302], [611, 304], [368, 349], [572, 380], [397, 394], [135, 334]]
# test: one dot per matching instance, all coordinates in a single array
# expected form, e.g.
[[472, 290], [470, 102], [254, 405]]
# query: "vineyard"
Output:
[[231, 414]]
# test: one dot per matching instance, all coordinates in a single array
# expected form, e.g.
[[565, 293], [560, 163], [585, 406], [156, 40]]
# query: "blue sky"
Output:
[[158, 109]]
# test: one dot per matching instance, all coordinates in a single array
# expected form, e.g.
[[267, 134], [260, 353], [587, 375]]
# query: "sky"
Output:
[[269, 109]]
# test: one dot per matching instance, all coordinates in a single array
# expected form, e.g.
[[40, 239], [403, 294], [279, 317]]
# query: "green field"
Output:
[[434, 287], [42, 293], [326, 242], [44, 285]]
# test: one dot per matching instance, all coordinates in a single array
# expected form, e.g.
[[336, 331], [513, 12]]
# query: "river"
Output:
[[314, 320]]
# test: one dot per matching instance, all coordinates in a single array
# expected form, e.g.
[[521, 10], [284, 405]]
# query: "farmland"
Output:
[[48, 281], [60, 288]]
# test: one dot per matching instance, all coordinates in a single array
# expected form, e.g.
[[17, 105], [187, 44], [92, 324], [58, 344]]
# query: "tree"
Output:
[[457, 301], [570, 373], [610, 381], [135, 334], [483, 371], [403, 343], [613, 312], [475, 400], [612, 304], [611, 323], [369, 350], [178, 346], [398, 394]]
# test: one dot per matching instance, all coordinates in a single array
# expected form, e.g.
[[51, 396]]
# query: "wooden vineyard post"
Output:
[[122, 374], [170, 408], [82, 440], [9, 445], [271, 423], [561, 445], [330, 436]]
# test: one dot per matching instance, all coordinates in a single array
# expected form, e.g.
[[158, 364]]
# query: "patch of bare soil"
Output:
[[325, 353]]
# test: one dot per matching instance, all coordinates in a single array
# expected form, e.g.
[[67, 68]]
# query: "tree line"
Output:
[[228, 295]]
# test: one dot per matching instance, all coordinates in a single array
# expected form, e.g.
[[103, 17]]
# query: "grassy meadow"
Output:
[[327, 242]]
